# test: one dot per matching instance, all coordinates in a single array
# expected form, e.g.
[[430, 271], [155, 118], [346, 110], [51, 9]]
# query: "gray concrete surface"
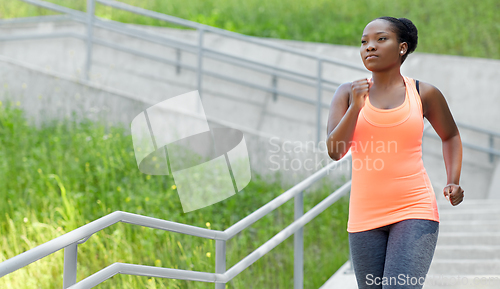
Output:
[[494, 189], [49, 95], [467, 254]]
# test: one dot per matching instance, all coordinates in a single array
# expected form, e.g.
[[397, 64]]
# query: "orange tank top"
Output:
[[389, 181]]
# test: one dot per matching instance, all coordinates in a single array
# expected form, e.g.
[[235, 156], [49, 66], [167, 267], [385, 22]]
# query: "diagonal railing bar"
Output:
[[150, 271], [42, 36], [471, 146], [288, 231], [283, 198], [83, 233], [165, 40], [93, 227], [35, 19], [196, 25], [91, 21], [478, 129], [57, 8]]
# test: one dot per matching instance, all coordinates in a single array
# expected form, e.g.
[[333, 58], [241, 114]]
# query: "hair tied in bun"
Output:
[[404, 23]]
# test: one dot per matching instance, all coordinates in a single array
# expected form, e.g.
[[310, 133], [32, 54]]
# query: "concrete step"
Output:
[[464, 266], [344, 278], [468, 239], [470, 205], [482, 281], [470, 215], [467, 252], [446, 226]]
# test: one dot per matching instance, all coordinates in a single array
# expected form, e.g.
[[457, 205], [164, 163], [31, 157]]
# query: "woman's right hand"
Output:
[[346, 104], [359, 92]]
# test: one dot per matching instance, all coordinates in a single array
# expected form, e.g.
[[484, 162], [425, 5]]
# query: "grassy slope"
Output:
[[63, 175]]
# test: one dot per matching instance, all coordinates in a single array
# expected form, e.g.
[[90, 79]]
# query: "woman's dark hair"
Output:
[[406, 32]]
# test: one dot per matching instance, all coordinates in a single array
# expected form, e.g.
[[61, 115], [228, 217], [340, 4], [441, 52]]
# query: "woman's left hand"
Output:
[[453, 193]]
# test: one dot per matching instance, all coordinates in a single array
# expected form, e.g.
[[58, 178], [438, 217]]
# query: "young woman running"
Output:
[[393, 216]]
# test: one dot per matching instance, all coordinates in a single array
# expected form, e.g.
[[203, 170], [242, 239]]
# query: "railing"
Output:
[[70, 241], [490, 150], [491, 141], [91, 21]]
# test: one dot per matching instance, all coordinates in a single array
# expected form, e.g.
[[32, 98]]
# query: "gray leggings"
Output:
[[394, 256]]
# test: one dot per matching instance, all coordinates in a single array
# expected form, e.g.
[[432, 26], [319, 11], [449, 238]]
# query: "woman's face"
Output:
[[380, 49]]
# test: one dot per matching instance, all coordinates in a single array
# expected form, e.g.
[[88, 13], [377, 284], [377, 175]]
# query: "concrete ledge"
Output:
[[482, 281], [342, 279]]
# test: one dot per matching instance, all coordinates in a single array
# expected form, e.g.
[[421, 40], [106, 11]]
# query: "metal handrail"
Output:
[[35, 19], [471, 146], [185, 66], [154, 37], [474, 128], [478, 129], [42, 36], [247, 38], [91, 21], [491, 134], [130, 31], [69, 241], [89, 229]]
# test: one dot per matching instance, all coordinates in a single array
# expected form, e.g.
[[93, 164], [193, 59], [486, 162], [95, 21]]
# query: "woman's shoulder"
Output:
[[428, 90], [343, 92], [344, 87], [429, 95]]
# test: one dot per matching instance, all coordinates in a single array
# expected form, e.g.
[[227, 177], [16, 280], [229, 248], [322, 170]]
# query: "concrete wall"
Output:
[[49, 95], [465, 82]]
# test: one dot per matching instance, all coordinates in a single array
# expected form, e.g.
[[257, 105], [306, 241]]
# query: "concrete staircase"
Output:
[[467, 254]]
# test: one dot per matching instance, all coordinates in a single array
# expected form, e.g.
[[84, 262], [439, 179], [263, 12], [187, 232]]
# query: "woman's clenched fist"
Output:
[[359, 92]]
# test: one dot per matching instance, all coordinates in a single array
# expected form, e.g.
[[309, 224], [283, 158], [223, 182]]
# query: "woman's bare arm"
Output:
[[436, 110]]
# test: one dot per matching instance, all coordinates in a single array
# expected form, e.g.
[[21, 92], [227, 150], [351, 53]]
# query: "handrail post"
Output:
[[318, 104], [492, 145], [298, 244], [424, 131], [90, 28], [201, 31], [70, 259], [275, 84], [178, 66], [220, 261], [350, 269]]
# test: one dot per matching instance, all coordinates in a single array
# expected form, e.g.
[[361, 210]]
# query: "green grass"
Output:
[[61, 175], [454, 27]]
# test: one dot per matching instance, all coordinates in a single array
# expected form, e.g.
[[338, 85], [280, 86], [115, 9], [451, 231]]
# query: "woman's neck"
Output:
[[388, 78]]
